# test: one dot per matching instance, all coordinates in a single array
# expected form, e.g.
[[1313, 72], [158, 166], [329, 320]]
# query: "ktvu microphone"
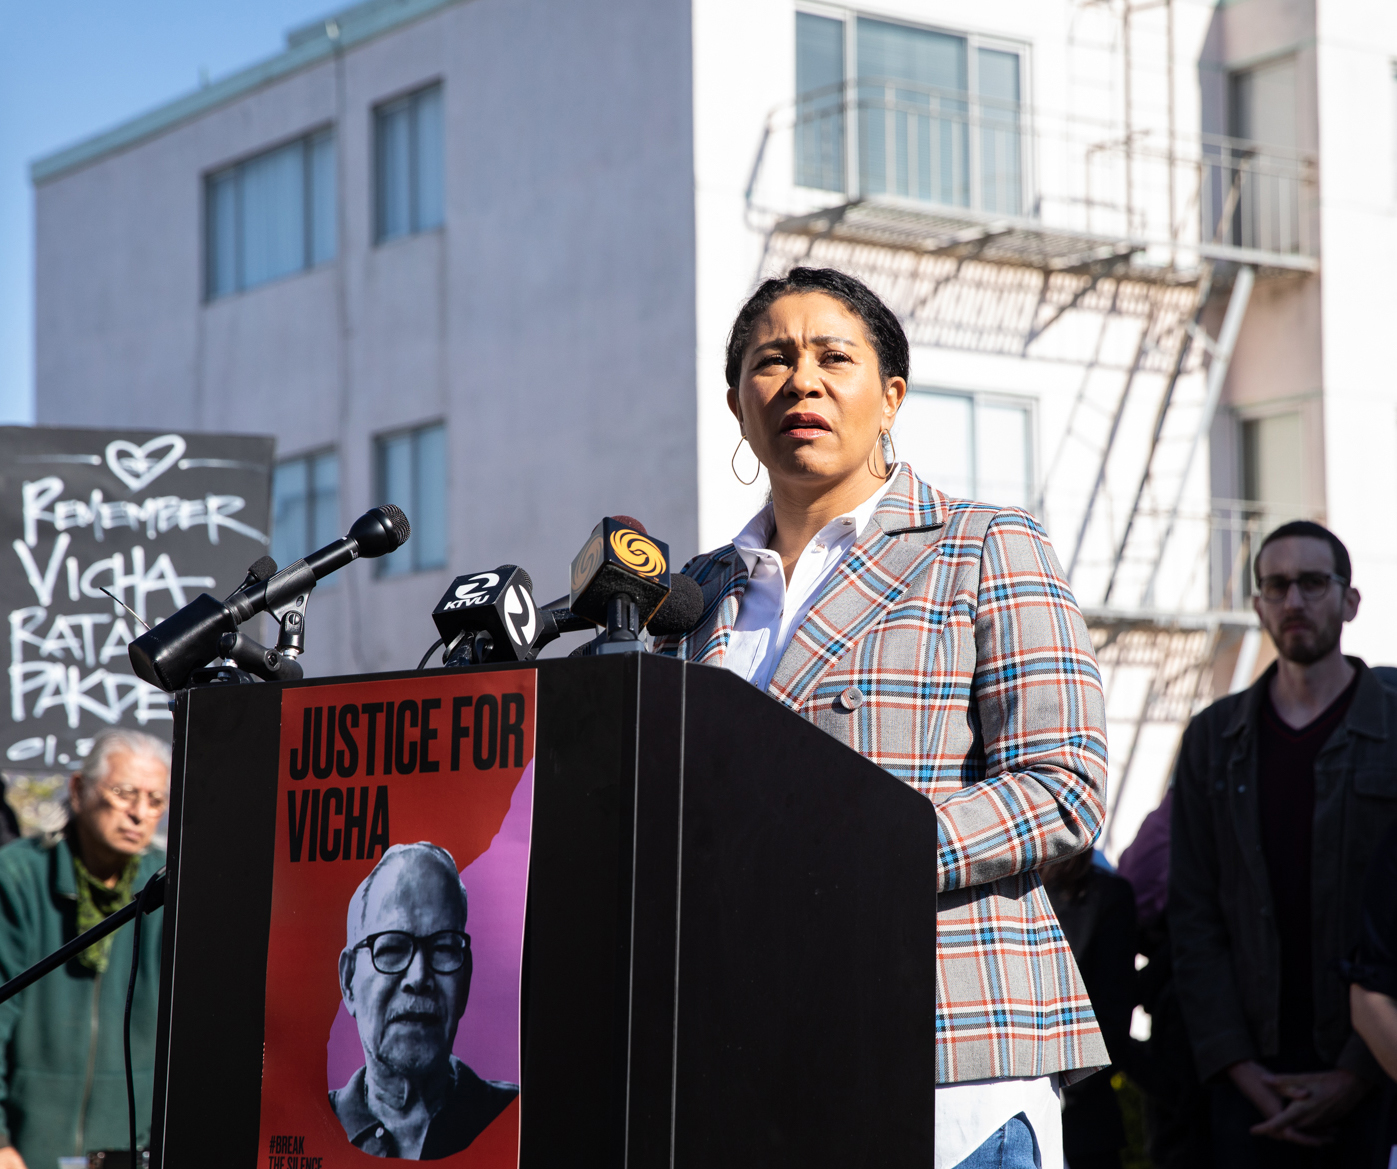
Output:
[[490, 617], [166, 655]]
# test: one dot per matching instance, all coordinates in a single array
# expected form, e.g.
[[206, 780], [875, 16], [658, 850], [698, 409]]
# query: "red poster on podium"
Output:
[[393, 964]]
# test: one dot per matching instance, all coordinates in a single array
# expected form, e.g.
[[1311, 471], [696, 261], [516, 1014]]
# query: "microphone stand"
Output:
[[247, 660], [152, 898], [622, 632], [169, 655], [148, 900], [469, 649]]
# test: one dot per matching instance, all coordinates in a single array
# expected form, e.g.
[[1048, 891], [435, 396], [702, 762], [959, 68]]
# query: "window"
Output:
[[271, 215], [938, 116], [1262, 110], [1271, 459], [412, 474], [1263, 104], [971, 446], [820, 104], [409, 163], [1272, 467], [305, 506]]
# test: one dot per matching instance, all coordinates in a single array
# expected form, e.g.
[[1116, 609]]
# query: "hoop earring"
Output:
[[889, 453], [733, 462]]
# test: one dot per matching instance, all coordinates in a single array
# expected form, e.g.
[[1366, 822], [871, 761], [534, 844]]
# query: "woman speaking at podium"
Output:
[[938, 638]]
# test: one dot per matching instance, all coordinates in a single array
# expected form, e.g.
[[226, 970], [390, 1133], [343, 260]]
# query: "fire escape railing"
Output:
[[885, 141]]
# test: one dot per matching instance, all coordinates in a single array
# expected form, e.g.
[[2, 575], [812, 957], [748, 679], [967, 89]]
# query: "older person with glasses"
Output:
[[62, 1075], [937, 637], [405, 975], [1281, 795]]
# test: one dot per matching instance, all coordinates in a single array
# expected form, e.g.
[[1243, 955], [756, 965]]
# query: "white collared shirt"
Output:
[[969, 1113], [771, 611]]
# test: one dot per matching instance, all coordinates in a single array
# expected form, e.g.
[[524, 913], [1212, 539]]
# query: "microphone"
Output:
[[259, 570], [377, 532], [678, 613], [560, 604], [166, 655], [619, 561], [619, 580], [489, 617]]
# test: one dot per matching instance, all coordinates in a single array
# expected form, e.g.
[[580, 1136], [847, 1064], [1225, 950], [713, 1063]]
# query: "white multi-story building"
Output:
[[480, 257]]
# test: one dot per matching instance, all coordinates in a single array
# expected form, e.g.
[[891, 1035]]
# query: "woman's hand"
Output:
[[10, 1158]]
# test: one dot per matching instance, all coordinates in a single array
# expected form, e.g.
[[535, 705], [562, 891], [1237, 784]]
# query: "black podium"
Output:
[[754, 982]]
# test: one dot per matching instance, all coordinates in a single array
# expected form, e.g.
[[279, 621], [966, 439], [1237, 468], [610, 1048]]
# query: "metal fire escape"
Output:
[[1144, 236]]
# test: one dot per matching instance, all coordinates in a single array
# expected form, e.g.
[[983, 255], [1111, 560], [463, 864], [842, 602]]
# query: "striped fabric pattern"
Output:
[[954, 620]]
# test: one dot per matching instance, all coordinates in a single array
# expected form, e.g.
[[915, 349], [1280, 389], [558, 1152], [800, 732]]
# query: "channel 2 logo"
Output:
[[520, 615], [476, 590]]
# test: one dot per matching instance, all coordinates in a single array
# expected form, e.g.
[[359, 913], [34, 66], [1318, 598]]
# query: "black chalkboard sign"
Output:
[[155, 519]]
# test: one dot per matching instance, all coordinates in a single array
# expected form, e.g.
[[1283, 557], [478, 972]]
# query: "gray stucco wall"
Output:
[[551, 322]]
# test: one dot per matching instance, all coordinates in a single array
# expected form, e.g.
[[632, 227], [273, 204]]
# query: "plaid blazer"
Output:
[[980, 689]]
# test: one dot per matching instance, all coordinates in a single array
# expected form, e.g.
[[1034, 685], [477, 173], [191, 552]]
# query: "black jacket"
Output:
[[1098, 919], [1375, 965], [470, 1106], [1225, 941]]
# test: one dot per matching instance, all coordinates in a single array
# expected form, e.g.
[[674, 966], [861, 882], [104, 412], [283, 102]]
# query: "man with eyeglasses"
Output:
[[405, 974], [1281, 794], [62, 1074]]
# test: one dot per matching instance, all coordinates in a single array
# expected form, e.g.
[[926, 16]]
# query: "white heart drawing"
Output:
[[133, 464]]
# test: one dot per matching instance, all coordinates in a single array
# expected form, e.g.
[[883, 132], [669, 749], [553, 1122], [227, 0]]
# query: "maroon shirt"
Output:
[[1286, 796]]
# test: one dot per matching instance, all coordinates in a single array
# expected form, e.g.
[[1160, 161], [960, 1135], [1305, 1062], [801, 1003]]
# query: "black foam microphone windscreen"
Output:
[[263, 568], [681, 609]]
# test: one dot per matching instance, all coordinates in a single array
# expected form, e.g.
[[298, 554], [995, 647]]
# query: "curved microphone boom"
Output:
[[166, 655]]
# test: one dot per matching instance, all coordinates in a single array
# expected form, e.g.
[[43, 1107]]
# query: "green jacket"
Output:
[[62, 1072]]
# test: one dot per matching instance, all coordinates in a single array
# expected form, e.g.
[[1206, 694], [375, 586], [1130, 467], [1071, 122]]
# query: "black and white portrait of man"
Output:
[[405, 974]]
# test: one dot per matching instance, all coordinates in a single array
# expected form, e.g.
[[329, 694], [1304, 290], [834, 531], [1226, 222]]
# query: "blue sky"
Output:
[[72, 68]]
